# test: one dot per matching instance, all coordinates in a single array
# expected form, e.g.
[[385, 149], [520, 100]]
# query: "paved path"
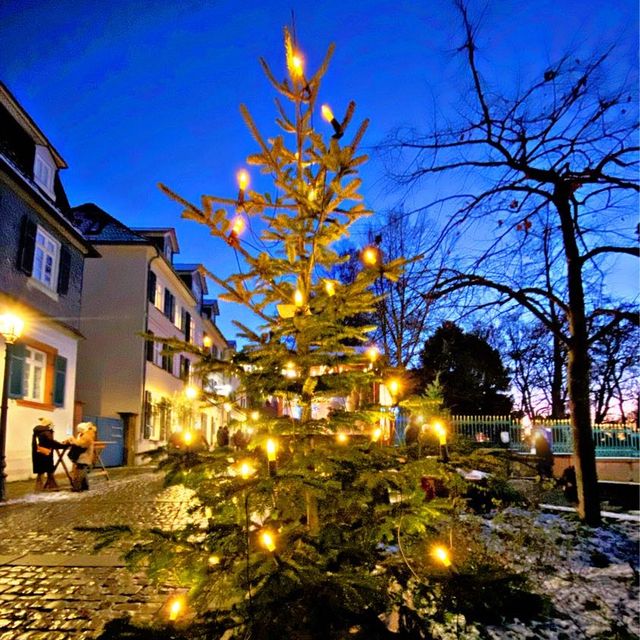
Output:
[[53, 584]]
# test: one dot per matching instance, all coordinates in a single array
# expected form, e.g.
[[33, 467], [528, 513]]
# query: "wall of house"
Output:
[[111, 359], [15, 203], [22, 417]]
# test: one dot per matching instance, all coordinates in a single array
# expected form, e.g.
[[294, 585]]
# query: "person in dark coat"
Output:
[[222, 436], [42, 445]]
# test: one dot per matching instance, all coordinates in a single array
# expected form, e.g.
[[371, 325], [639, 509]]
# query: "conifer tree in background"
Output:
[[300, 534]]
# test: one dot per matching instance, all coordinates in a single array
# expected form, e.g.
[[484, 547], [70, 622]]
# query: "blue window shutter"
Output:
[[60, 380], [16, 371], [27, 249], [64, 270]]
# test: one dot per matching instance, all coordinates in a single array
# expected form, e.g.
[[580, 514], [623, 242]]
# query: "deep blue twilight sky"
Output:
[[133, 92]]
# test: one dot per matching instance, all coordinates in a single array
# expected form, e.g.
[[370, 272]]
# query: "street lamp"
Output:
[[11, 327]]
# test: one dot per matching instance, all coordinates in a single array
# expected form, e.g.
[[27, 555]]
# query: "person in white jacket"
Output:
[[83, 448]]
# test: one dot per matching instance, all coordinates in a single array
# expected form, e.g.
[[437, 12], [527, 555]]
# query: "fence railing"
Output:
[[611, 440]]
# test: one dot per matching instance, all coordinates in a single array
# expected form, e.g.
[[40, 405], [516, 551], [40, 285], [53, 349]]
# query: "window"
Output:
[[37, 374], [179, 319], [185, 368], [169, 304], [148, 415], [186, 326], [33, 371], [150, 346], [44, 170], [167, 363], [43, 257], [158, 299], [151, 286]]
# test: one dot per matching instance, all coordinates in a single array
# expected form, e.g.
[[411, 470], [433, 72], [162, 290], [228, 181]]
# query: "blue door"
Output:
[[111, 431]]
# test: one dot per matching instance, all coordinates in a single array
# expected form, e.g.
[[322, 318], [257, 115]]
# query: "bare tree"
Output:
[[552, 202]]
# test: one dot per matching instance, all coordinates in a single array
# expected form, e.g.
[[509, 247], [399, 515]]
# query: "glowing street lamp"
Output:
[[11, 327], [191, 392]]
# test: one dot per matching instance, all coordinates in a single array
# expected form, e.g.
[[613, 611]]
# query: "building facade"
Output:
[[134, 291], [42, 258]]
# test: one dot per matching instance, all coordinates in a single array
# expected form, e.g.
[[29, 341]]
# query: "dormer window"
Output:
[[44, 170], [168, 250]]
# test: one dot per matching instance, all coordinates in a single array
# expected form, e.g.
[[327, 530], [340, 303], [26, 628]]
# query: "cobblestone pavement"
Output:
[[53, 584]]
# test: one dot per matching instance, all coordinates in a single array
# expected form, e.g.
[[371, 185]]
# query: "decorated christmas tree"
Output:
[[314, 527]]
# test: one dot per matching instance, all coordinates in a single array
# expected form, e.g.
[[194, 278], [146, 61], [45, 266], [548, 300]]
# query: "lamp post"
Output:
[[11, 327]]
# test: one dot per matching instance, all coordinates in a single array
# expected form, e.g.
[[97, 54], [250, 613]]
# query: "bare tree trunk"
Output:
[[578, 368], [557, 400]]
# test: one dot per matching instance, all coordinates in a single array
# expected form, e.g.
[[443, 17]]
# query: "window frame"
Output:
[[38, 273]]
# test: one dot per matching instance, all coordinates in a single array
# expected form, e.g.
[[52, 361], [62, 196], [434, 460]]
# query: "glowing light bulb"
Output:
[[238, 226], [255, 415], [442, 555], [342, 438], [441, 433], [206, 342], [372, 353], [176, 607], [394, 387], [298, 298], [370, 256], [187, 436], [267, 541], [330, 288], [376, 434], [245, 470], [243, 179], [297, 65], [272, 449], [191, 392], [327, 114], [213, 560]]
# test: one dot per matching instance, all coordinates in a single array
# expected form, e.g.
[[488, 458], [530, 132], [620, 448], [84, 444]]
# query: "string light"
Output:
[[267, 541], [327, 114], [272, 449], [376, 434], [187, 436], [175, 607], [370, 256], [330, 288], [372, 353], [238, 226], [298, 298], [243, 182], [342, 438], [442, 555], [246, 470]]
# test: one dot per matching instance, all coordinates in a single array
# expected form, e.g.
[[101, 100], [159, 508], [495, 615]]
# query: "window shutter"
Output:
[[64, 270], [16, 371], [168, 304], [151, 287], [27, 245], [59, 381], [187, 326], [150, 345]]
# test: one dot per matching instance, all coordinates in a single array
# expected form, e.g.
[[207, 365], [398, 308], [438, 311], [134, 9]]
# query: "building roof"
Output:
[[99, 227], [160, 232]]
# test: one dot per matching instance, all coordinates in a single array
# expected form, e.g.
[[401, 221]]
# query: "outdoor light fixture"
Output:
[[394, 387], [191, 392], [187, 437], [327, 114], [243, 182], [267, 541], [441, 554], [206, 342], [11, 327]]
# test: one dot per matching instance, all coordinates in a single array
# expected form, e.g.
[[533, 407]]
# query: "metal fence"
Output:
[[611, 440]]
